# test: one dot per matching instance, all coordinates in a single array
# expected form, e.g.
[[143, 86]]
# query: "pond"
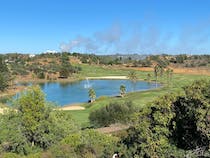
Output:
[[77, 92]]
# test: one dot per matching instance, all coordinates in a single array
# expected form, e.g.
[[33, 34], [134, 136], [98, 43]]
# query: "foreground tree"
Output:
[[173, 126], [35, 124]]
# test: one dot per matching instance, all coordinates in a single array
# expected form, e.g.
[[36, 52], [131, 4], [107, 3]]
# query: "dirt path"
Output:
[[112, 128]]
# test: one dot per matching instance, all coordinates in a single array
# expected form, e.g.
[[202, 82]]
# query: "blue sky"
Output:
[[105, 26]]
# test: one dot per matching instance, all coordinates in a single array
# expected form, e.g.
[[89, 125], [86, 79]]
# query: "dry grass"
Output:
[[12, 91], [190, 71]]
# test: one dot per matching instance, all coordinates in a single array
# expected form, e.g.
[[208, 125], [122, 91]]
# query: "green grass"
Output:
[[140, 99], [97, 71]]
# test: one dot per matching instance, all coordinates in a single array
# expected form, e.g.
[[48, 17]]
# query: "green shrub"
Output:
[[9, 155], [41, 75], [34, 126], [172, 125], [113, 113], [90, 143], [61, 150]]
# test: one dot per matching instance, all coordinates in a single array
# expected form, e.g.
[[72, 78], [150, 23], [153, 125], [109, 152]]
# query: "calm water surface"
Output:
[[77, 92]]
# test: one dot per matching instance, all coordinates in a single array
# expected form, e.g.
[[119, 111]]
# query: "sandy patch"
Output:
[[1, 111], [72, 107], [109, 77]]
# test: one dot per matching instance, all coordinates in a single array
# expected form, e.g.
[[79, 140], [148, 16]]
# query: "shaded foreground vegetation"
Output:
[[175, 125]]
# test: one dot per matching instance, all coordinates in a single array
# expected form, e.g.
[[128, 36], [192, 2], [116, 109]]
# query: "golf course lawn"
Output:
[[140, 99]]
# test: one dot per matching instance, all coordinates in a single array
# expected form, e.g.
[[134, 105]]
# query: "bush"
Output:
[[41, 75], [90, 143], [172, 125], [9, 155], [34, 126], [112, 113]]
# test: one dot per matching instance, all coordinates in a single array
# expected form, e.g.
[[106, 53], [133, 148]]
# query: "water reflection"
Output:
[[76, 92]]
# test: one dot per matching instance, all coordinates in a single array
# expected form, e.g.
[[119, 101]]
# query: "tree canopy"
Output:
[[173, 125], [34, 124]]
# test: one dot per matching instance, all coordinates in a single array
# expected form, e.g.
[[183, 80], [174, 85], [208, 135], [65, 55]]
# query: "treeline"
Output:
[[24, 63], [44, 66], [136, 60]]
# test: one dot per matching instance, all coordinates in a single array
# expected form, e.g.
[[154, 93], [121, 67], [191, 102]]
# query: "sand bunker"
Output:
[[72, 107]]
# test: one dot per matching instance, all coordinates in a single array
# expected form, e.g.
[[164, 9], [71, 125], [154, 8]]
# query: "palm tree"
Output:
[[92, 95], [148, 77], [161, 71], [169, 73], [157, 70], [133, 78], [122, 90]]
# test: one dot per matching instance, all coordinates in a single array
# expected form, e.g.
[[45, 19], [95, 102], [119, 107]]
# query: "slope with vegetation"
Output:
[[174, 125]]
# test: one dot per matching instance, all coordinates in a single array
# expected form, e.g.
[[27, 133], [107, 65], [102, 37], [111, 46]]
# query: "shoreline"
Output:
[[12, 91], [109, 77], [73, 106]]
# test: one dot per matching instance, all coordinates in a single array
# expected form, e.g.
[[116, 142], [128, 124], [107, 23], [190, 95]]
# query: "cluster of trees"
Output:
[[86, 144], [159, 72], [33, 128], [43, 66], [132, 76], [33, 125], [172, 126], [66, 69]]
